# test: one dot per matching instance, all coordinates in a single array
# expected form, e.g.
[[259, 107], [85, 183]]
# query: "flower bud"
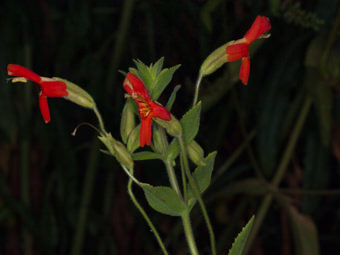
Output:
[[173, 127], [77, 95], [196, 153], [133, 142], [215, 60], [157, 140], [127, 122], [117, 149]]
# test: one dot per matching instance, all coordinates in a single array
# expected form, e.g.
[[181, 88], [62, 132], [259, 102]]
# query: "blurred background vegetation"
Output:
[[59, 195]]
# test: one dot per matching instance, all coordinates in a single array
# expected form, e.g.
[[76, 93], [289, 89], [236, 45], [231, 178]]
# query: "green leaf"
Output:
[[134, 71], [190, 123], [172, 98], [173, 150], [146, 155], [144, 74], [164, 200], [305, 233], [157, 67], [241, 239], [202, 176], [162, 81]]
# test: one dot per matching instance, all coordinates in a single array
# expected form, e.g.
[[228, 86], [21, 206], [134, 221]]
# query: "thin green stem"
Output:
[[197, 195], [279, 173], [79, 234], [184, 180], [100, 120], [168, 165], [197, 88], [188, 233], [145, 216]]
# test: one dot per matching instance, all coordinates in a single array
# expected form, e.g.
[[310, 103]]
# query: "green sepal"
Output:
[[133, 142], [77, 95]]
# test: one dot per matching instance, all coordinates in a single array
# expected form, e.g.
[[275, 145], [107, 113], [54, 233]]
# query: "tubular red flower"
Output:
[[237, 51], [147, 108], [260, 26], [240, 50], [244, 70], [49, 87]]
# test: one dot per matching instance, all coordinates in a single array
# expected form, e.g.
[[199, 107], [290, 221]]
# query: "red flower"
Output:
[[240, 48], [49, 87], [146, 107]]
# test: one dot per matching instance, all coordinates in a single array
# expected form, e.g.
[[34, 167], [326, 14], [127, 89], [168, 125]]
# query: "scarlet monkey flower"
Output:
[[147, 108], [240, 48], [49, 87]]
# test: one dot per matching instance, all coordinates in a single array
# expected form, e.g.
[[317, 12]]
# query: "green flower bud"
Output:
[[128, 121], [196, 153], [215, 60], [157, 140], [117, 149], [77, 95], [173, 127], [133, 142]]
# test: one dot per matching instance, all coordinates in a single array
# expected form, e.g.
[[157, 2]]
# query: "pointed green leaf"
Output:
[[173, 149], [202, 176], [172, 97], [162, 81], [146, 155], [144, 74], [134, 71], [190, 123], [157, 67], [164, 200], [241, 239]]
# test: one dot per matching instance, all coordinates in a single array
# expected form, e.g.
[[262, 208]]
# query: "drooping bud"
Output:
[[173, 127], [117, 149], [215, 60], [77, 95], [128, 121], [196, 153]]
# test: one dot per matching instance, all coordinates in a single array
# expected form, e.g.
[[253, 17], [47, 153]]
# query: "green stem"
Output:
[[168, 165], [184, 180], [188, 233], [79, 234], [197, 88], [145, 216], [100, 120], [279, 174], [197, 195]]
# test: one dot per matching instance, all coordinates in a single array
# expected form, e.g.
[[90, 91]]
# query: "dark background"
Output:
[[46, 173]]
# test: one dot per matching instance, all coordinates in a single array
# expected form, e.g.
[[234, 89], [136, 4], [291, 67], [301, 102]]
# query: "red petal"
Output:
[[237, 51], [145, 131], [133, 85], [44, 108], [259, 27], [244, 70], [54, 88], [16, 70], [159, 111]]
